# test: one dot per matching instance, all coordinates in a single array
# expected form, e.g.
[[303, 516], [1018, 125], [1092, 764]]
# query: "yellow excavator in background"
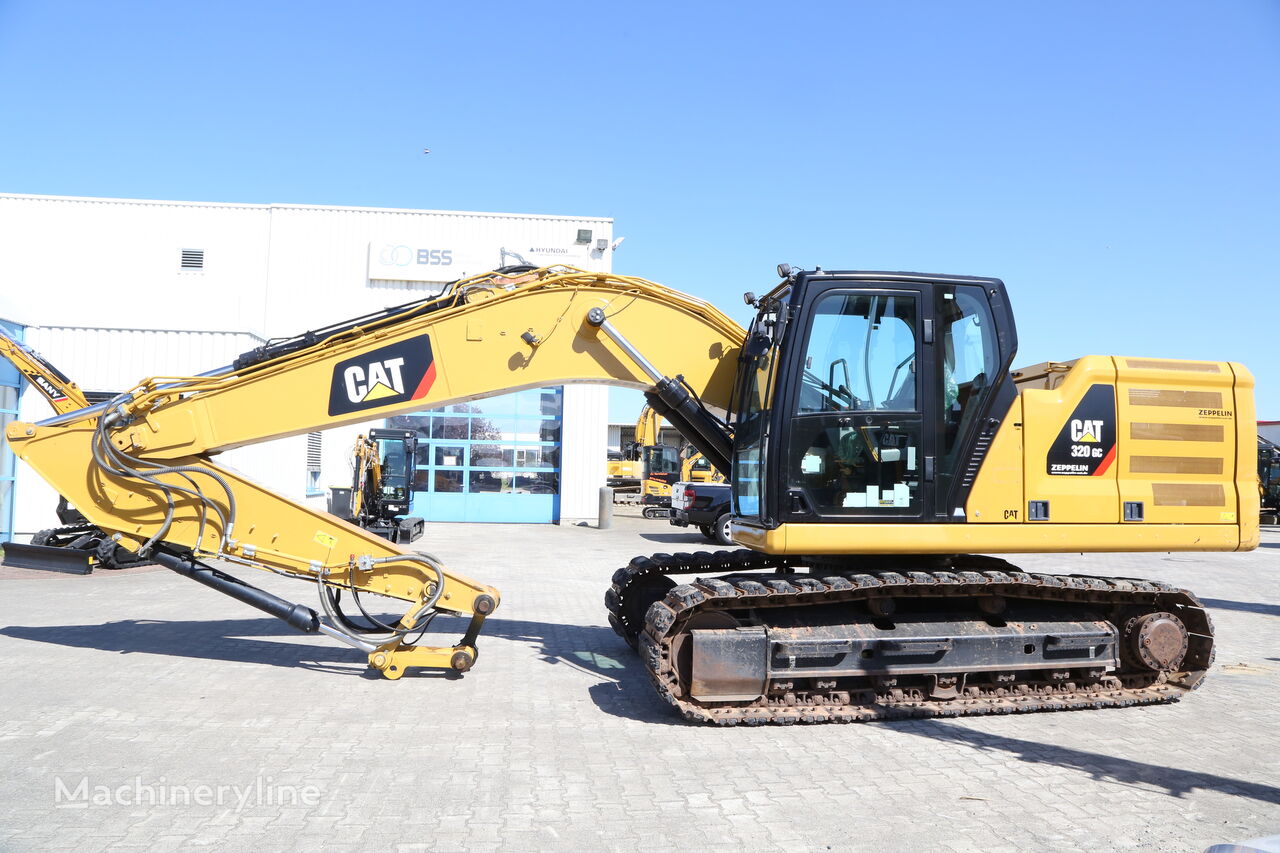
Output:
[[381, 485], [697, 468], [878, 438], [653, 467], [643, 452], [77, 546], [63, 394]]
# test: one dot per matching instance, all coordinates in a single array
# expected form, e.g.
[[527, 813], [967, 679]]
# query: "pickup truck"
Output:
[[704, 505]]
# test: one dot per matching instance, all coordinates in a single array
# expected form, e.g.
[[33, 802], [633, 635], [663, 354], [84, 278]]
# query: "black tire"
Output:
[[721, 530], [706, 532]]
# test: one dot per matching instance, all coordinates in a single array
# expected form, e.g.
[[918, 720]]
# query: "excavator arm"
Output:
[[63, 394], [143, 465]]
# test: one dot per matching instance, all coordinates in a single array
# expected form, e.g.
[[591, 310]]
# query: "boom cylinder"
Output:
[[671, 400]]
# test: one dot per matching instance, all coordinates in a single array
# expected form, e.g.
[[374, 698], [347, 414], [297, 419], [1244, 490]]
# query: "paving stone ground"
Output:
[[146, 688]]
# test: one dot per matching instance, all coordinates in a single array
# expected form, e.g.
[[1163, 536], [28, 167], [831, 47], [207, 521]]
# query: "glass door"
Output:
[[857, 446]]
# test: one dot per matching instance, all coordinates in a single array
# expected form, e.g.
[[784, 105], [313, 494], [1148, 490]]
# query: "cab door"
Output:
[[857, 439]]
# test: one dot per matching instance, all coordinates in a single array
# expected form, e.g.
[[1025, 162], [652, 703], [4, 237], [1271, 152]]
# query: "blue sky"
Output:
[[1115, 163]]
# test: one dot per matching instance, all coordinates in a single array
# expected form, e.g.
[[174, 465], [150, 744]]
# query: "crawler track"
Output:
[[649, 610]]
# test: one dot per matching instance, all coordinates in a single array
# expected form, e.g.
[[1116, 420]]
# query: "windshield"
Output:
[[860, 355], [393, 461], [661, 459]]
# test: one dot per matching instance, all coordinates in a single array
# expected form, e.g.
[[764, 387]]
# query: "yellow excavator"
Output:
[[653, 467], [879, 440], [381, 483], [659, 466], [643, 455], [54, 385], [697, 468], [76, 546]]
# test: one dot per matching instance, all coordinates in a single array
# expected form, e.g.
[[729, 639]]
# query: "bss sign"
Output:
[[435, 257]]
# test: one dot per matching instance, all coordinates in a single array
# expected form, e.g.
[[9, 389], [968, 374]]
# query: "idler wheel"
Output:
[[1159, 640]]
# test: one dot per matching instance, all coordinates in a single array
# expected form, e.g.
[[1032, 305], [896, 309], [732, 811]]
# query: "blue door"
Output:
[[492, 460]]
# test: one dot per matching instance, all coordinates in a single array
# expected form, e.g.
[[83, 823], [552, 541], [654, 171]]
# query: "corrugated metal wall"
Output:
[[102, 359]]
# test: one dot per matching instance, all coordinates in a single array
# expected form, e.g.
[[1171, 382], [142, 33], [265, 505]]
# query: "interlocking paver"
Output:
[[556, 741]]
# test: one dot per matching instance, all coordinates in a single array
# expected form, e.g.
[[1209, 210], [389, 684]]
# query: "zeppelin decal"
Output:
[[1086, 446], [382, 377]]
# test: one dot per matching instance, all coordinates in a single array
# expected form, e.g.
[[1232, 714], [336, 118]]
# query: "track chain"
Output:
[[59, 537], [965, 576], [104, 549]]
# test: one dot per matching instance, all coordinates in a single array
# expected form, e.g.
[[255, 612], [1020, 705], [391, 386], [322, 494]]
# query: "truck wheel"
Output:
[[706, 532], [721, 530]]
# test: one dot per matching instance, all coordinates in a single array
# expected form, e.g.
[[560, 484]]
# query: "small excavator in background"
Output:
[[378, 500], [77, 546]]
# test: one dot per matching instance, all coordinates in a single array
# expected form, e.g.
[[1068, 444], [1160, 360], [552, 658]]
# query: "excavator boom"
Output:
[[143, 465]]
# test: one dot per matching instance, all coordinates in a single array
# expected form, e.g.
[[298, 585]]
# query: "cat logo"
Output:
[[1086, 445], [1086, 430], [380, 380], [392, 374]]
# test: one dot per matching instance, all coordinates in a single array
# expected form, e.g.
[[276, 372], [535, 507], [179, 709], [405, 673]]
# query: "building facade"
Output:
[[116, 290]]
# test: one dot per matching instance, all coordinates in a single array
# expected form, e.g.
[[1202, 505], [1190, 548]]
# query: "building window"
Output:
[[474, 452], [192, 259], [313, 464]]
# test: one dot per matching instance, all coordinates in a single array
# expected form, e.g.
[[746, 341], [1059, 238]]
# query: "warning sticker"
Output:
[[1086, 446]]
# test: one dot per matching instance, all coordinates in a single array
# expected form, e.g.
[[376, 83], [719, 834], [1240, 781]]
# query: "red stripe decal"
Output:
[[425, 385], [1106, 462]]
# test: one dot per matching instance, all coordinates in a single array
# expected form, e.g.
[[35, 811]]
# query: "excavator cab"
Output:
[[382, 492], [865, 396]]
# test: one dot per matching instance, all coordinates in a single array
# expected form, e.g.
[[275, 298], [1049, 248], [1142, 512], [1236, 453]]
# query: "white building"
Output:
[[115, 290]]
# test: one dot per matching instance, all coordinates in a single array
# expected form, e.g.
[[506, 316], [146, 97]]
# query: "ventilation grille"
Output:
[[313, 451], [193, 259], [971, 468]]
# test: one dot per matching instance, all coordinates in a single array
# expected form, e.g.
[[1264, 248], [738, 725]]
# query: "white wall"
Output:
[[324, 262], [107, 262], [584, 452]]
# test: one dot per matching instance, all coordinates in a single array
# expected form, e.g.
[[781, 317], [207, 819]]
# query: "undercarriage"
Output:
[[886, 638]]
